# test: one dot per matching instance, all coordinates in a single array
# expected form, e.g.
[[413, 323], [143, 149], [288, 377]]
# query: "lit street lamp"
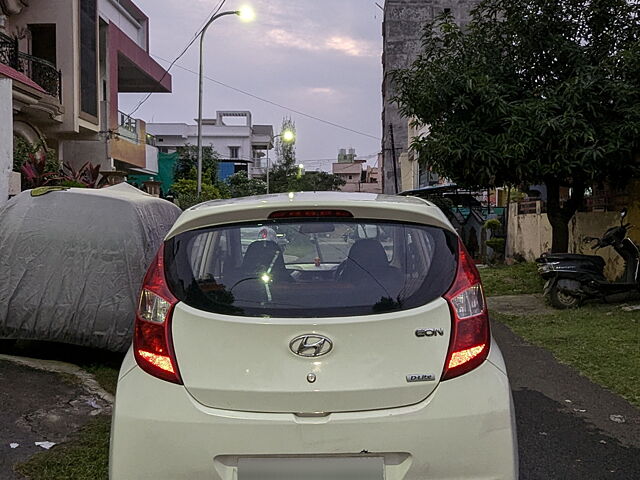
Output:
[[246, 14], [287, 136]]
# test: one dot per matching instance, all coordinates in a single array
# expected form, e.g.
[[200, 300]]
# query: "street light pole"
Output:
[[246, 14], [268, 167]]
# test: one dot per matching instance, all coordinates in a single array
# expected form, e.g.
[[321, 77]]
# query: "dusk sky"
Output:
[[322, 58]]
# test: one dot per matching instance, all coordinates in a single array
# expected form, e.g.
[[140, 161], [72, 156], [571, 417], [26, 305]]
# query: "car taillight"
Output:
[[470, 338], [263, 233], [152, 344]]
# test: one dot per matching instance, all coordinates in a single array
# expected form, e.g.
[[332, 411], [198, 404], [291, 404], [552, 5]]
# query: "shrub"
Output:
[[186, 196], [24, 152]]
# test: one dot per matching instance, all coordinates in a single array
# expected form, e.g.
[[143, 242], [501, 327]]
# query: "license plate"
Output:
[[316, 468]]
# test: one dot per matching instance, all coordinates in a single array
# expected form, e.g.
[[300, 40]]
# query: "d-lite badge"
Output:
[[425, 377]]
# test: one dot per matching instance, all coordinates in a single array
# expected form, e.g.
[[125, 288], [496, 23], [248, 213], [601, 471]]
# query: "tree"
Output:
[[186, 174], [240, 185], [531, 91], [285, 169], [316, 182], [187, 164], [287, 176], [186, 193]]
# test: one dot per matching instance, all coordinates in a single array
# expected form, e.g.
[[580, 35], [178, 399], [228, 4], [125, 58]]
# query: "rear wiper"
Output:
[[372, 276]]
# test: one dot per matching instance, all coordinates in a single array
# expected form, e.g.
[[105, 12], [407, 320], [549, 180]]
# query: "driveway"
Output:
[[42, 401], [568, 427]]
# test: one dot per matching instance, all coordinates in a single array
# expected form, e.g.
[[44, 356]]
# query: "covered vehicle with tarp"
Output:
[[72, 262]]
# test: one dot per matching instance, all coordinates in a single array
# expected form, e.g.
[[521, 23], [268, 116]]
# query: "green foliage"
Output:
[[574, 337], [532, 91], [187, 164], [86, 457], [240, 185], [186, 193], [286, 151], [185, 186], [518, 279], [35, 174], [88, 176], [497, 244], [24, 152], [493, 224], [286, 175]]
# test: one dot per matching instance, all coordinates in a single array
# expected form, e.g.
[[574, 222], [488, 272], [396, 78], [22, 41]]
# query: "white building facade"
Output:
[[240, 145]]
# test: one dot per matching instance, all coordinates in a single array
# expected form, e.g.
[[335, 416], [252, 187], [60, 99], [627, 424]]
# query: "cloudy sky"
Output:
[[322, 58]]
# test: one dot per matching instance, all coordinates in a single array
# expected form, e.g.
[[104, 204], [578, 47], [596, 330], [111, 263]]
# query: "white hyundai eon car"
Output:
[[360, 349]]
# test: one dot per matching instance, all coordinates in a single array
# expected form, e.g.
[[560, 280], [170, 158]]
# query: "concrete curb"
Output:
[[87, 381]]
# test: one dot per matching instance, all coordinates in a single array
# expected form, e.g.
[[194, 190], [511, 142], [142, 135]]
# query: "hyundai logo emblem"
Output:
[[311, 345]]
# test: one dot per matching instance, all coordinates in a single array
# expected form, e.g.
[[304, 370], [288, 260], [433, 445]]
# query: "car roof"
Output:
[[362, 205]]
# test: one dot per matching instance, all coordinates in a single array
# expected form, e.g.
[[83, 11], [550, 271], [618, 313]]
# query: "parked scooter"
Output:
[[574, 278]]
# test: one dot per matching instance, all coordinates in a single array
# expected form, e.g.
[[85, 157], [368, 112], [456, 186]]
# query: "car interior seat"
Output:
[[265, 256], [367, 264]]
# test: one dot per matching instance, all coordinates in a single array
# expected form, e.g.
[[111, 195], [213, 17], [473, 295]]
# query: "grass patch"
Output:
[[575, 337], [107, 376], [84, 458], [86, 455], [521, 278]]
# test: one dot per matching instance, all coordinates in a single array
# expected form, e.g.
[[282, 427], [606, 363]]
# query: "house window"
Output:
[[43, 41], [350, 177], [234, 152], [88, 57]]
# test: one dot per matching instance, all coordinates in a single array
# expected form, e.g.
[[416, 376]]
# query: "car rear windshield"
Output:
[[310, 268]]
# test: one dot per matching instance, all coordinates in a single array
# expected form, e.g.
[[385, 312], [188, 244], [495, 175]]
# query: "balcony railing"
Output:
[[42, 72], [128, 123]]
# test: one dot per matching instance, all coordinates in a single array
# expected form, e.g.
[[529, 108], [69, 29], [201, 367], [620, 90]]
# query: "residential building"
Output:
[[416, 174], [240, 145], [358, 176], [404, 21], [68, 60]]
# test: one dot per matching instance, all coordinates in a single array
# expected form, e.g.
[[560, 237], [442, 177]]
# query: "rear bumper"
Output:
[[464, 430]]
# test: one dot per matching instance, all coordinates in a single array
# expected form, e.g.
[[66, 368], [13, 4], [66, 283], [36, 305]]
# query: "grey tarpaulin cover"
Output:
[[72, 262]]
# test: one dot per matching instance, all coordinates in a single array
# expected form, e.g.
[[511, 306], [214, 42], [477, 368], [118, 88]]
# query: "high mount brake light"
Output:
[[311, 214], [152, 343], [470, 338]]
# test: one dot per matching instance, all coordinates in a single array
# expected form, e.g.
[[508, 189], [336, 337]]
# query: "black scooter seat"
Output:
[[596, 260]]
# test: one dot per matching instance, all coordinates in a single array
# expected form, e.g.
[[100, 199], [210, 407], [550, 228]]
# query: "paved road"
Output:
[[564, 429]]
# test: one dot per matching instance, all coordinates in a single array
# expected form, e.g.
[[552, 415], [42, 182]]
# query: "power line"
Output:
[[166, 72], [270, 102]]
